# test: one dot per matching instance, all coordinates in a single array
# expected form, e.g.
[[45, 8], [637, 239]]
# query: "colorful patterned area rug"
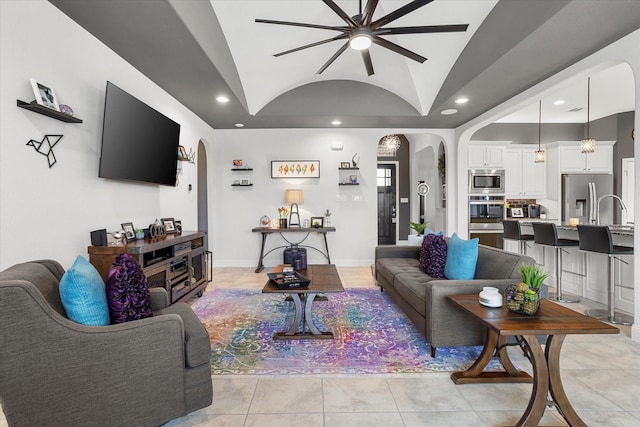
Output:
[[371, 336]]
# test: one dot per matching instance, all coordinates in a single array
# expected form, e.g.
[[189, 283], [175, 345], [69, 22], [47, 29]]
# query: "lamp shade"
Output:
[[294, 196]]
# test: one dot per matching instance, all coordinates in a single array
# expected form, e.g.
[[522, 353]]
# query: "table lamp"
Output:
[[294, 197]]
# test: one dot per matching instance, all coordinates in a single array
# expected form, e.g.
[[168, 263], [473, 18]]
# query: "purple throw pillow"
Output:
[[127, 292], [433, 255]]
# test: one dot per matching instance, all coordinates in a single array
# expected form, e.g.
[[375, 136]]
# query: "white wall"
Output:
[[234, 211], [48, 213]]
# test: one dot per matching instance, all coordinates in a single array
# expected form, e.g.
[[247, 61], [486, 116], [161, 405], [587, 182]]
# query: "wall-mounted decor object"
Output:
[[169, 225], [295, 169], [345, 165], [45, 147], [44, 95]]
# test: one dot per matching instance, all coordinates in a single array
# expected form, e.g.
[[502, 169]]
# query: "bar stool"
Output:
[[597, 238], [513, 231], [546, 233]]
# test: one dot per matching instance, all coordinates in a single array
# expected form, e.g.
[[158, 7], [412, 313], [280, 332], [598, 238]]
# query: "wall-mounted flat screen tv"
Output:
[[138, 142]]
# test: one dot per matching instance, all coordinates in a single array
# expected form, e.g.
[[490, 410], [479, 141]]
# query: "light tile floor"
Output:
[[601, 375]]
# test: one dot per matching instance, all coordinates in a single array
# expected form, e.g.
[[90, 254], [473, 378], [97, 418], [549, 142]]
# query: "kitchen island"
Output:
[[584, 274]]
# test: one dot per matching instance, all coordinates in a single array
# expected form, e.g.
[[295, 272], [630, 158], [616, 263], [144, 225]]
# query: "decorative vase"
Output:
[[283, 222], [140, 235], [521, 300], [327, 221], [415, 239]]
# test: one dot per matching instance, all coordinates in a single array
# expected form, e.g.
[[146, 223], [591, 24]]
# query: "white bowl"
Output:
[[490, 297]]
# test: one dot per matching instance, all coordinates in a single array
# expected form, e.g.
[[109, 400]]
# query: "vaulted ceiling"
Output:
[[199, 49]]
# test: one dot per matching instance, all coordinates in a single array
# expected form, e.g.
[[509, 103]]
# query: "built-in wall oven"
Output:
[[486, 213]]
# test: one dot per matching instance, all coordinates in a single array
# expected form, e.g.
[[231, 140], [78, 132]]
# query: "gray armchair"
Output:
[[56, 372]]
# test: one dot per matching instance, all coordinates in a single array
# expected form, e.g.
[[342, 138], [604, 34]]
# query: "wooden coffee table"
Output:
[[324, 279], [552, 319]]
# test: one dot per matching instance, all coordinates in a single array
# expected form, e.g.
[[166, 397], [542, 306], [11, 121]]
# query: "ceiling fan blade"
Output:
[[398, 49], [341, 13], [333, 58], [366, 57], [338, 37], [399, 13], [368, 11], [423, 30], [300, 24]]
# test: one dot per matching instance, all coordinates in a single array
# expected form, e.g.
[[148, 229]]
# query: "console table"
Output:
[[267, 231], [175, 262], [551, 319]]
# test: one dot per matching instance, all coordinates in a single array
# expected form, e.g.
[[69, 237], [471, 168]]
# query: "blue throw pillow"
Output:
[[83, 294], [462, 256]]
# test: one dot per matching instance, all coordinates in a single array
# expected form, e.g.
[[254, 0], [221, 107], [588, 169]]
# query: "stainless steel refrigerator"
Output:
[[580, 195]]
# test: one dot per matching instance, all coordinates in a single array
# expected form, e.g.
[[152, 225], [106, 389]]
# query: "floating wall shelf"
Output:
[[242, 169], [35, 107], [241, 185], [348, 183]]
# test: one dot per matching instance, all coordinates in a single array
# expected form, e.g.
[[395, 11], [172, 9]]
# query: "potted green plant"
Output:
[[525, 296], [416, 239]]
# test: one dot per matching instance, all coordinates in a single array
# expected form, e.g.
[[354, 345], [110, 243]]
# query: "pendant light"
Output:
[[540, 155], [588, 144]]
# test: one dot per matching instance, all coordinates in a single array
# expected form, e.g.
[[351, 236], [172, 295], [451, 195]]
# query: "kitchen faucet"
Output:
[[622, 205]]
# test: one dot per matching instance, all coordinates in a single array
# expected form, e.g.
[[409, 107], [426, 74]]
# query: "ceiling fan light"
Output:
[[588, 145], [360, 41]]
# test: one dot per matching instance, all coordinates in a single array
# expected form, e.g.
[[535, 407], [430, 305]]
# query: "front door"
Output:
[[386, 183]]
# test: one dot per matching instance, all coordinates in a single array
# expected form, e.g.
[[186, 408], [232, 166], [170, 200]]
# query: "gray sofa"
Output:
[[55, 372], [424, 299]]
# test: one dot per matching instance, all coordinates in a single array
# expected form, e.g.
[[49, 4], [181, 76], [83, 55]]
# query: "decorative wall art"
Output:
[[45, 147], [295, 169]]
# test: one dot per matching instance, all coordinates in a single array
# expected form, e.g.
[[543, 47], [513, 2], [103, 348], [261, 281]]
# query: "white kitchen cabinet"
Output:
[[572, 160], [486, 156], [524, 177]]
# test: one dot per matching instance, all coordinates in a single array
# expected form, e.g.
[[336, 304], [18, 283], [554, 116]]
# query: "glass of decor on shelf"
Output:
[[283, 213]]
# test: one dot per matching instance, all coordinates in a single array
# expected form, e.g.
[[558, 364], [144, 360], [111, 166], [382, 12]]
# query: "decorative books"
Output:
[[289, 280]]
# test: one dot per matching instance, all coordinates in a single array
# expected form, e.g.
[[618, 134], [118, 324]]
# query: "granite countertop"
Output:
[[617, 229]]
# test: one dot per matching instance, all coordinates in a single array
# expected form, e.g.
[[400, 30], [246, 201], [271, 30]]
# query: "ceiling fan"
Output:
[[361, 31]]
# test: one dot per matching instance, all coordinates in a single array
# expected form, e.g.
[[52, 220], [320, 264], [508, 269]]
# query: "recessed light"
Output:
[[462, 100], [558, 102], [239, 125], [448, 112], [222, 99], [336, 122]]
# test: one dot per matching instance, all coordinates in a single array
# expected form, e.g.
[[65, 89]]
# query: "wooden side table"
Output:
[[552, 319]]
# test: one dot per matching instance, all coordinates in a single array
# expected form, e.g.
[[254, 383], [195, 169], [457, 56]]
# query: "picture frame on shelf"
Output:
[[182, 152], [129, 231], [517, 213], [245, 181], [295, 169], [44, 94], [169, 225], [237, 163], [345, 165], [178, 225], [317, 222], [353, 179]]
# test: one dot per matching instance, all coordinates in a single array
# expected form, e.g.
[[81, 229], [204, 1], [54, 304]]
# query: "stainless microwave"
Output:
[[486, 181]]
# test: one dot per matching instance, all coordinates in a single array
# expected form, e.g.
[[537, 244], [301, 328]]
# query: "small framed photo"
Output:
[[245, 182], [353, 179], [237, 163], [169, 225], [517, 213], [129, 231], [345, 165], [182, 152], [44, 95], [317, 222], [178, 225]]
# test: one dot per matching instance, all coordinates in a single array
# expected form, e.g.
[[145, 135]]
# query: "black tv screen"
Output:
[[138, 142]]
